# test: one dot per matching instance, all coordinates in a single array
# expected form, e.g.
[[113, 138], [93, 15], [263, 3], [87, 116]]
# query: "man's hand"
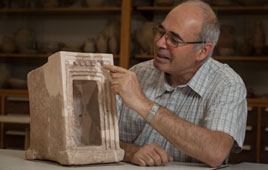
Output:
[[148, 155], [126, 84]]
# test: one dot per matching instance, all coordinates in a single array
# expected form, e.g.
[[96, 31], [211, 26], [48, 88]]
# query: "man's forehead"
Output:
[[184, 17]]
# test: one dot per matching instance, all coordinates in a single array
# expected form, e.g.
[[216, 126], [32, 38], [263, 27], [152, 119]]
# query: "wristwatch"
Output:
[[152, 113]]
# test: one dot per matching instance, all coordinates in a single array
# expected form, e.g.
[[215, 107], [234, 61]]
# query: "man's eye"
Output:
[[162, 32], [173, 40]]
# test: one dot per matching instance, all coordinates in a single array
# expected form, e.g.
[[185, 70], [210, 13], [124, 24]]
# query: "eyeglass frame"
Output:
[[170, 34]]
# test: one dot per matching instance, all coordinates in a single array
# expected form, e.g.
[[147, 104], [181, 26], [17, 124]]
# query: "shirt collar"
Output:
[[198, 83], [200, 80]]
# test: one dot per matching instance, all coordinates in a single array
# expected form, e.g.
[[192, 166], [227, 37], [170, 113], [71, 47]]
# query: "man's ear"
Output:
[[204, 51]]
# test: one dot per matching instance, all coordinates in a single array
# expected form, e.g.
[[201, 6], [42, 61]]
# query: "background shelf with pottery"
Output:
[[49, 30]]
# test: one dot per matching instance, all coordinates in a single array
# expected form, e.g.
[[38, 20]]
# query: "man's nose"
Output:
[[161, 42]]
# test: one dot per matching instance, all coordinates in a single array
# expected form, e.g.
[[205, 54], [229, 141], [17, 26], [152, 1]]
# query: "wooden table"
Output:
[[14, 160]]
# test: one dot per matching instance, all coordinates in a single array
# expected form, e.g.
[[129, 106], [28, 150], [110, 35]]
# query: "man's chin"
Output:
[[160, 66]]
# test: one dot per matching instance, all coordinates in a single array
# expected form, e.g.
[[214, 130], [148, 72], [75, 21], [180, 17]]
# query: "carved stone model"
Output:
[[73, 111]]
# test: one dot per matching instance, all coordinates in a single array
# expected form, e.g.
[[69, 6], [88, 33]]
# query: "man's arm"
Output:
[[210, 147]]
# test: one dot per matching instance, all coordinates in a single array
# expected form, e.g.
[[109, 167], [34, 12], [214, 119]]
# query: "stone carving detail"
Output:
[[73, 111]]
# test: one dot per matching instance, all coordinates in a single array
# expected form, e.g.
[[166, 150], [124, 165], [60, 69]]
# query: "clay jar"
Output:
[[144, 38], [89, 46], [24, 39], [4, 73], [258, 38], [8, 44], [226, 44]]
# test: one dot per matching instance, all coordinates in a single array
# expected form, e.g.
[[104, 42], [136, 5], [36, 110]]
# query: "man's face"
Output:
[[185, 22]]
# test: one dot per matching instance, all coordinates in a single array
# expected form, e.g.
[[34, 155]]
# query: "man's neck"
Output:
[[175, 80]]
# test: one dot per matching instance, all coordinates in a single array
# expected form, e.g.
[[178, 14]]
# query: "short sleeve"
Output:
[[227, 112]]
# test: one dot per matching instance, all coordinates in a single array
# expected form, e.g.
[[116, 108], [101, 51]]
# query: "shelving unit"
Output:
[[256, 143], [124, 12]]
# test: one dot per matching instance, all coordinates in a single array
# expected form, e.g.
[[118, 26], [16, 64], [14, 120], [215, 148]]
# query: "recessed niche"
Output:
[[86, 112]]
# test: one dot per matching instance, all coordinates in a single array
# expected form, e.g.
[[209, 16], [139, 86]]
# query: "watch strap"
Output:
[[152, 113]]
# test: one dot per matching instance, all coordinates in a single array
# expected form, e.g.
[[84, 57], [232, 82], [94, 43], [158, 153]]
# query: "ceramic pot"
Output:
[[8, 44], [101, 44], [16, 83], [258, 38], [24, 39], [49, 47], [144, 38], [4, 74], [89, 46], [226, 44], [113, 45]]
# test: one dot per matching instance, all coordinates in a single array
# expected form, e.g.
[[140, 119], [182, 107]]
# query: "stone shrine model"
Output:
[[73, 110]]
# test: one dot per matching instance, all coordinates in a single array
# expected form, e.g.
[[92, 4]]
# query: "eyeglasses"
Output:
[[172, 38]]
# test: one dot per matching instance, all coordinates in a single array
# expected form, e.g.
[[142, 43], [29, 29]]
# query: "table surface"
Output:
[[14, 160]]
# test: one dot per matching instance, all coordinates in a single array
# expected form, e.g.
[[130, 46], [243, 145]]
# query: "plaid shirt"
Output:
[[215, 98]]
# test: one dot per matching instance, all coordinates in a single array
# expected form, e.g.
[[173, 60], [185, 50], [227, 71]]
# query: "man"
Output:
[[182, 105]]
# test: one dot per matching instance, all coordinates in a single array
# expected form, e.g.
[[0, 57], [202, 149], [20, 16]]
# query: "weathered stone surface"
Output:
[[73, 110]]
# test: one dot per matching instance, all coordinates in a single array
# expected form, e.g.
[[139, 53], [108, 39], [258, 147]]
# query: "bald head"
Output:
[[199, 12]]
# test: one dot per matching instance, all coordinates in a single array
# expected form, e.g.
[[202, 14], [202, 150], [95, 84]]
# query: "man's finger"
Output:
[[115, 69], [156, 158], [139, 161], [163, 155], [117, 75]]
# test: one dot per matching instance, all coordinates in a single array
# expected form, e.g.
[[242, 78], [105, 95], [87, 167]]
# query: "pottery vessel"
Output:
[[4, 74], [144, 38], [113, 45], [17, 83], [89, 46], [101, 43], [49, 47], [258, 38], [8, 44], [226, 44], [24, 39]]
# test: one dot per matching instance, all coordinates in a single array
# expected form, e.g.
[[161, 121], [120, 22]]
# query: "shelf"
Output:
[[72, 11], [222, 9], [13, 92], [15, 119], [242, 58], [21, 55], [257, 102], [228, 58]]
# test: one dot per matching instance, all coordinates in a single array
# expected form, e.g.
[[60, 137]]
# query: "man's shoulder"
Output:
[[225, 73]]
